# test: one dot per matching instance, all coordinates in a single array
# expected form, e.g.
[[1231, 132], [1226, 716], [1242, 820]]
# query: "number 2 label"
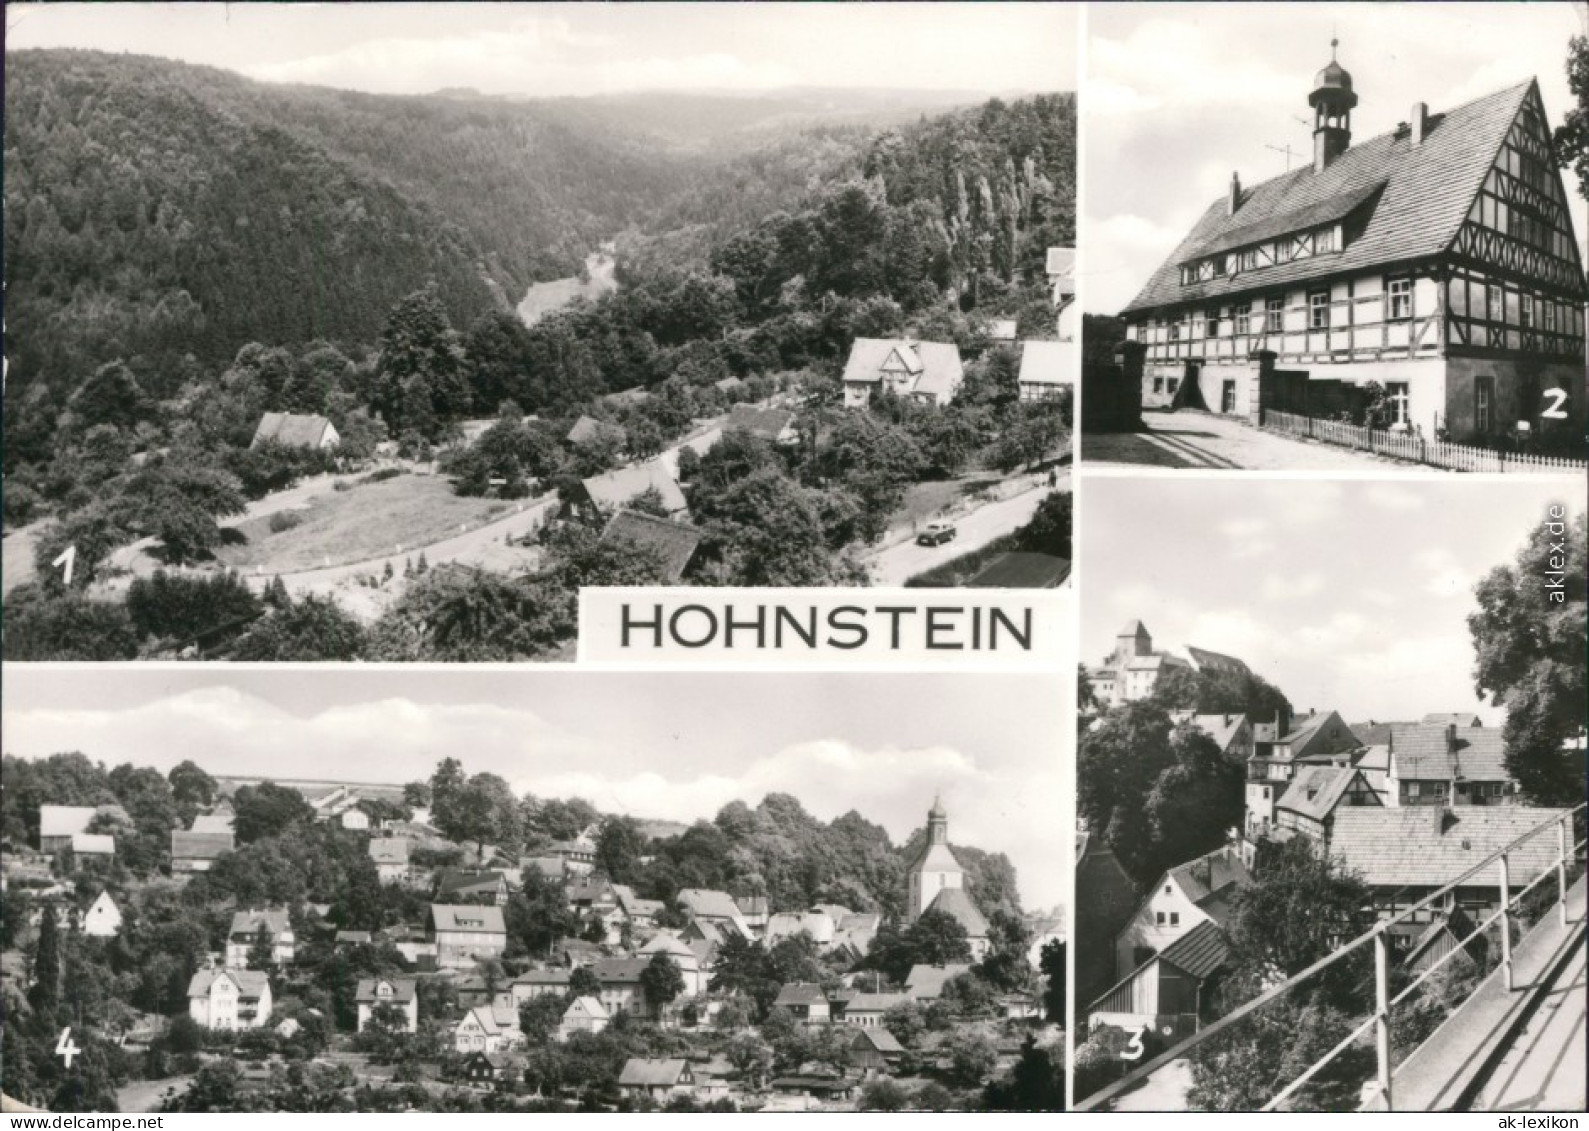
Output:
[[1557, 408]]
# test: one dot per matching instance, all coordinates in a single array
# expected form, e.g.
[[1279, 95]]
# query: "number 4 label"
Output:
[[64, 1048], [1557, 408]]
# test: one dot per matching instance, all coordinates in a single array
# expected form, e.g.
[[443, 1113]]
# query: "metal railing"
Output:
[[1379, 938], [1413, 447]]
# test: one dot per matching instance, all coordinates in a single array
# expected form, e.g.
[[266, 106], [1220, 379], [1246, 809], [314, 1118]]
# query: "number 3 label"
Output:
[[1134, 1050], [1557, 408]]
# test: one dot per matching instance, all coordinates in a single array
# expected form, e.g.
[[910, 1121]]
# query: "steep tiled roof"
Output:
[[936, 364], [768, 422], [401, 994], [447, 917], [211, 823], [881, 1040], [389, 850], [1374, 734], [542, 978], [1022, 569], [620, 971], [1315, 790], [674, 543], [1203, 657], [616, 488], [1221, 728], [64, 820], [1210, 875], [1427, 191], [801, 993], [291, 429], [199, 846], [645, 1073], [588, 428], [956, 902], [274, 920], [873, 1003], [927, 982], [457, 881], [250, 983], [1454, 718], [704, 903], [1426, 846], [1420, 753], [1199, 952], [1047, 363]]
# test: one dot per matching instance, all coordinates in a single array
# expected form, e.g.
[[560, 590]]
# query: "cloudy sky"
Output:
[[1352, 595], [670, 746], [1177, 96], [571, 49]]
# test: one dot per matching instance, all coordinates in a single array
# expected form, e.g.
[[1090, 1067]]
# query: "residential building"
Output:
[[865, 1010], [463, 934], [601, 496], [212, 823], [873, 1051], [102, 920], [245, 929], [538, 983], [58, 824], [621, 988], [1436, 262], [1447, 764], [489, 1029], [455, 885], [229, 999], [806, 1002], [754, 910], [641, 913], [578, 855], [657, 1078], [673, 544], [373, 993], [787, 924], [295, 430], [682, 955], [1043, 929], [390, 855], [583, 1015], [1308, 802], [93, 846], [1047, 370], [195, 852], [1232, 733], [715, 907], [1168, 992], [925, 983], [929, 372], [1185, 896], [1404, 854]]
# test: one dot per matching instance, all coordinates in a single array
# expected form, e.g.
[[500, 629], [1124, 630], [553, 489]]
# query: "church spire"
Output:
[[1332, 100], [937, 822]]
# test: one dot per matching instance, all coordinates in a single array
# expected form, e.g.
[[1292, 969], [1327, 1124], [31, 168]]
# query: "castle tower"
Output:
[[1133, 640], [935, 867], [1332, 101]]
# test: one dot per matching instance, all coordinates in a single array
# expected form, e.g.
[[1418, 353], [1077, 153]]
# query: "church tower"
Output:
[[935, 867], [1332, 101]]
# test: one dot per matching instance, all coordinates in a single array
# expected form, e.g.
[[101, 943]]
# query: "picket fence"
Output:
[[1416, 448]]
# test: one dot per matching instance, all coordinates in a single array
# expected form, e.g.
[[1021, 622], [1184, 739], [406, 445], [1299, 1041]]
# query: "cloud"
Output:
[[1442, 574], [1290, 587], [1392, 497], [1174, 61]]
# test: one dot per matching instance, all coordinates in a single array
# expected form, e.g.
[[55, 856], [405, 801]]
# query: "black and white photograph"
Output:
[[1361, 244], [1330, 784], [268, 888], [375, 331]]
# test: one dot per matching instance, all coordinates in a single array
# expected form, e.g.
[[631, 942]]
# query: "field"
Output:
[[926, 501], [366, 521]]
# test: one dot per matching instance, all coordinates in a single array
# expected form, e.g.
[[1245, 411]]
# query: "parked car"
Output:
[[936, 534]]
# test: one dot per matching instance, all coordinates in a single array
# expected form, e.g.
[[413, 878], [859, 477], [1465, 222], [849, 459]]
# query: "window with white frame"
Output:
[[1213, 322], [1400, 291], [1525, 312], [1397, 396], [1274, 314], [1319, 310], [1243, 317]]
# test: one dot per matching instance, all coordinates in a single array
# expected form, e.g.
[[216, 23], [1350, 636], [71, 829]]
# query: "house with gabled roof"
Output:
[[229, 998], [1198, 891], [806, 1002], [715, 907], [454, 885], [372, 993], [1047, 370], [872, 1050], [1170, 991], [583, 1015], [295, 430], [587, 429], [464, 934], [673, 544], [865, 1010], [930, 372], [1435, 262], [390, 855], [621, 988], [1309, 801], [657, 1078], [538, 983], [103, 918], [58, 824], [925, 983], [489, 1029], [600, 496], [1106, 900], [196, 852], [245, 928], [1447, 764]]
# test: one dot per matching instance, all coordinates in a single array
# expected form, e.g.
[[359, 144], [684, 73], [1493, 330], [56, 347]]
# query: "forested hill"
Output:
[[156, 208]]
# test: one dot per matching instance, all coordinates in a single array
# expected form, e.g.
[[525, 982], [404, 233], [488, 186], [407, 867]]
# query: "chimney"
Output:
[[1418, 123], [1233, 200], [1451, 737]]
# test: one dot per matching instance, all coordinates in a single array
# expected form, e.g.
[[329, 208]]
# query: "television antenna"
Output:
[[1287, 150]]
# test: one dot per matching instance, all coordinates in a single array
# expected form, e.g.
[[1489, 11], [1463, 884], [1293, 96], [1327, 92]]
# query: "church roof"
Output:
[[1414, 199], [955, 902]]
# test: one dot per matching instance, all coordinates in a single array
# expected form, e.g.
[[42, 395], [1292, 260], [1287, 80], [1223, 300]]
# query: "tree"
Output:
[[750, 1055], [883, 1094], [261, 950], [582, 981], [1572, 136], [618, 848], [662, 981], [1036, 1084], [972, 1056], [540, 1017], [46, 966], [67, 627], [1530, 634], [268, 810], [420, 383], [1051, 964], [310, 629], [1005, 967]]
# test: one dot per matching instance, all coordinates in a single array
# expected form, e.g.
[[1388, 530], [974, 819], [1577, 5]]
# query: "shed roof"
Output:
[[1426, 846], [617, 488], [295, 430], [64, 820], [643, 1072], [1200, 951], [1047, 363], [674, 543]]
